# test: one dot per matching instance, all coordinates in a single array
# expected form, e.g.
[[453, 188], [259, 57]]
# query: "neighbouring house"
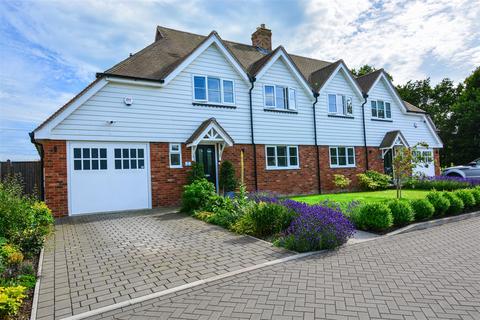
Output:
[[291, 122]]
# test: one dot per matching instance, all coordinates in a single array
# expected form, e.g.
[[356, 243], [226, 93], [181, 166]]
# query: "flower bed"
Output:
[[442, 183], [291, 224], [24, 223]]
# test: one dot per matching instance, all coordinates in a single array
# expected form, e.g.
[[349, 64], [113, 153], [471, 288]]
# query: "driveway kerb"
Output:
[[33, 313], [187, 286]]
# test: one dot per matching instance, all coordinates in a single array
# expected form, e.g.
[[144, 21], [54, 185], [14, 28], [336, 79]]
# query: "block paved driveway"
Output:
[[427, 274], [98, 260]]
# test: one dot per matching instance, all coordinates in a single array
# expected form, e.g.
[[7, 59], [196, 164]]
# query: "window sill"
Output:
[[381, 120], [204, 104], [343, 167], [334, 115], [280, 110], [176, 167], [282, 168]]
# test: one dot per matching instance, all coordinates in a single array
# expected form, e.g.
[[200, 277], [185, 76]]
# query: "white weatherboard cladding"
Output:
[[282, 128], [339, 131], [159, 114], [404, 122]]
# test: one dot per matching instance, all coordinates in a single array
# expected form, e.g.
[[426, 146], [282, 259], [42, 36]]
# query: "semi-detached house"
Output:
[[287, 122]]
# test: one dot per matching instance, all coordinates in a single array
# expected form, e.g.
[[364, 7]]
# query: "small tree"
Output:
[[227, 179], [340, 181], [404, 161], [196, 172]]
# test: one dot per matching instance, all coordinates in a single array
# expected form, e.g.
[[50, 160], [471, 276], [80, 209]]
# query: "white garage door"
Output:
[[108, 176], [426, 168]]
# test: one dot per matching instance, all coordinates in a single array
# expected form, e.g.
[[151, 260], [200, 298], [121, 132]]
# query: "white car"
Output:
[[470, 170]]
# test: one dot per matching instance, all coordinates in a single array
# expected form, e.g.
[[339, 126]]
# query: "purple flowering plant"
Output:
[[442, 183]]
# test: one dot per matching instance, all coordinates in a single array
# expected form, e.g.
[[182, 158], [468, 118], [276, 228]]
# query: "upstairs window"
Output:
[[340, 104], [381, 109], [213, 90], [280, 97], [282, 157]]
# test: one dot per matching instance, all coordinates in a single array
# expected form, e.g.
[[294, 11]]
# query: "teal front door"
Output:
[[205, 155]]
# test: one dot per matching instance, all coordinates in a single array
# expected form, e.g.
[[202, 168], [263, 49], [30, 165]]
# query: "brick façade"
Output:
[[167, 183]]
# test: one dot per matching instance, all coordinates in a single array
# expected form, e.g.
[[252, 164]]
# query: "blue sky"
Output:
[[50, 50]]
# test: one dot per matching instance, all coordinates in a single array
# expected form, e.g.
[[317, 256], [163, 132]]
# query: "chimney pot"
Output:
[[262, 37]]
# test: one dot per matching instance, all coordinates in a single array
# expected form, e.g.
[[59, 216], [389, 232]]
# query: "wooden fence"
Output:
[[30, 172]]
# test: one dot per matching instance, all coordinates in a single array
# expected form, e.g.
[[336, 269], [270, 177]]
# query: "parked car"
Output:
[[470, 170]]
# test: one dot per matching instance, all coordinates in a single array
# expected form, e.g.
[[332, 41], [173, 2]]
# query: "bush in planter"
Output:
[[227, 179], [402, 212], [373, 180], [423, 209], [270, 218], [439, 202], [315, 228], [456, 204], [10, 300], [467, 197], [374, 217], [197, 195]]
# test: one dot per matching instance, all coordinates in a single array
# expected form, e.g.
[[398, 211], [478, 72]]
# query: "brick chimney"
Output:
[[262, 37]]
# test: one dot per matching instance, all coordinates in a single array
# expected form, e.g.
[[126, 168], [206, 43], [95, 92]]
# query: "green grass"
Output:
[[371, 196]]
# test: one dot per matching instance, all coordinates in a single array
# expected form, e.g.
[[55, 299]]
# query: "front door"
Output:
[[387, 162], [205, 155]]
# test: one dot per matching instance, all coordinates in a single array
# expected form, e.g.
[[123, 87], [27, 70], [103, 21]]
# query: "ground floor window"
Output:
[[342, 157], [282, 157], [175, 154]]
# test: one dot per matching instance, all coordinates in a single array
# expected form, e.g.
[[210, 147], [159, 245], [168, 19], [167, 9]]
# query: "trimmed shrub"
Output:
[[10, 300], [439, 202], [244, 225], [467, 197], [373, 180], [196, 172], [316, 228], [374, 217], [402, 212], [456, 204], [422, 209], [476, 194], [270, 218], [340, 181], [197, 195], [227, 179]]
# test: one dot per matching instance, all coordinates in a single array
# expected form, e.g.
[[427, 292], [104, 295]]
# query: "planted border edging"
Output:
[[433, 223], [36, 291]]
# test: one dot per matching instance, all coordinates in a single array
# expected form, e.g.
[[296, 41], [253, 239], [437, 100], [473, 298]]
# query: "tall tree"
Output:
[[416, 92], [366, 69]]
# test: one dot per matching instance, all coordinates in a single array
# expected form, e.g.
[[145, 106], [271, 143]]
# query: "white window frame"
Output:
[[289, 166], [384, 109], [343, 110], [222, 97], [291, 105], [171, 151], [347, 165]]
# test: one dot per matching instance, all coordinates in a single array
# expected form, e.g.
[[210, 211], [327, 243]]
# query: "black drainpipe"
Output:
[[252, 82], [365, 96], [40, 151], [315, 95]]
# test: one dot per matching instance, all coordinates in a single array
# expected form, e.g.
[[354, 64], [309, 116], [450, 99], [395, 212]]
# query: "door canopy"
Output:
[[391, 140], [210, 132]]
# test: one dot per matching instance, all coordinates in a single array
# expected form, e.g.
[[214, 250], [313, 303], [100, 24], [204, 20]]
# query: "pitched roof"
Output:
[[366, 81], [411, 108], [204, 125], [390, 138], [319, 77], [171, 47]]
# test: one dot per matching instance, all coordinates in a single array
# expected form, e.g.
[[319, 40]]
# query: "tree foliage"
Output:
[[366, 69]]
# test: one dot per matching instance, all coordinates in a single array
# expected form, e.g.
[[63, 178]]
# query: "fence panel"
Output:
[[30, 171]]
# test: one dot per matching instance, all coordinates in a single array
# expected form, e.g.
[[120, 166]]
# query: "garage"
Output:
[[427, 166], [108, 176]]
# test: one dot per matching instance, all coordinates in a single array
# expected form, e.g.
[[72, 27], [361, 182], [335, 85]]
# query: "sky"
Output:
[[50, 50]]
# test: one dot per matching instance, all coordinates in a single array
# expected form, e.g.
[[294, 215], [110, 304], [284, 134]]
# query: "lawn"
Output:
[[371, 196]]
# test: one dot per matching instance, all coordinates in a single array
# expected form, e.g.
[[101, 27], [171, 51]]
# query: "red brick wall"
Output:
[[436, 157], [55, 175], [167, 183]]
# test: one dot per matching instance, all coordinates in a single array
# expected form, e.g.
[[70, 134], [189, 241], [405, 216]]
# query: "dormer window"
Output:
[[213, 90], [381, 109], [280, 97], [340, 104]]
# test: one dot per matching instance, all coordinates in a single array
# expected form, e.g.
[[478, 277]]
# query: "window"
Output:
[[280, 97], [342, 156], [212, 89], [175, 155], [381, 109], [282, 157], [340, 104], [89, 159], [129, 158]]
